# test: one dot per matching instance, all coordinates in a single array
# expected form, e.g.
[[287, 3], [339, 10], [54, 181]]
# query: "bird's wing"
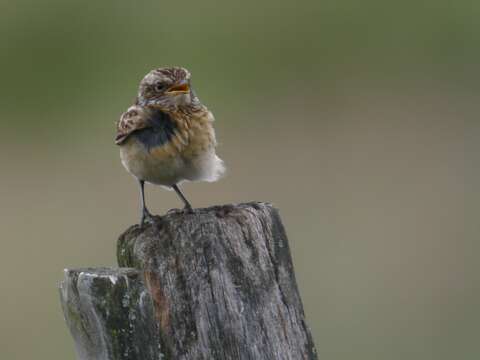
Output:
[[135, 118]]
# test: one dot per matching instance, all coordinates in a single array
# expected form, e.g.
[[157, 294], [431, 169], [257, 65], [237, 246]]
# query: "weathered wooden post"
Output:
[[216, 284]]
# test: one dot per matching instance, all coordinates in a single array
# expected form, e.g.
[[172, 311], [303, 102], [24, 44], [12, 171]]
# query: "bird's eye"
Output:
[[159, 87]]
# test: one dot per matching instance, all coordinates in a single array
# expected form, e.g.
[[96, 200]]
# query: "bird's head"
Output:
[[168, 88]]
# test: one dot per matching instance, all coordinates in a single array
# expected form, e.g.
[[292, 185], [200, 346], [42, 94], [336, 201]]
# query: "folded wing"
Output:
[[134, 119]]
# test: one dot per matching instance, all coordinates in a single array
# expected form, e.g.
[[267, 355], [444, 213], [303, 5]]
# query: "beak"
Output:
[[179, 88]]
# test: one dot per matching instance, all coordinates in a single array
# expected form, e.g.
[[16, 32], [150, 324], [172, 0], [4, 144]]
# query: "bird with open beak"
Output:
[[167, 137]]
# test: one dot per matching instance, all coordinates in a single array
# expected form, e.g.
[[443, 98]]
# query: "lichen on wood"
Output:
[[109, 313]]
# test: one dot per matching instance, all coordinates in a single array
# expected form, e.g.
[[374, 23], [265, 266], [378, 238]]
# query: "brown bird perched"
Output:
[[167, 137]]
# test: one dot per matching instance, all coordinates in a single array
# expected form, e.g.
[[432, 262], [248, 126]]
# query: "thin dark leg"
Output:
[[145, 213], [185, 201]]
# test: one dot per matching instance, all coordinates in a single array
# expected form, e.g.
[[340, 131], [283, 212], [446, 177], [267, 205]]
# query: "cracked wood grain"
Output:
[[220, 285]]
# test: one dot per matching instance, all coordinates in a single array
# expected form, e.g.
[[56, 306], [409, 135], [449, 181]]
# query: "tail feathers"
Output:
[[213, 168]]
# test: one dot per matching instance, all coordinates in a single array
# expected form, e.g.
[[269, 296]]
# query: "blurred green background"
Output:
[[353, 117]]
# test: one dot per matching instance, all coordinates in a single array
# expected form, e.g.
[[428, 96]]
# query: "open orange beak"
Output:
[[181, 88]]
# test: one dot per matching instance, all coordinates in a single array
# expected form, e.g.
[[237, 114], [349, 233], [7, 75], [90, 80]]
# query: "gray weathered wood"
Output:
[[216, 284], [110, 314]]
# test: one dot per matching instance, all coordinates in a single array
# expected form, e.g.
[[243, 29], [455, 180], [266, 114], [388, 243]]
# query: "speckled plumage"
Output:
[[185, 151], [167, 137]]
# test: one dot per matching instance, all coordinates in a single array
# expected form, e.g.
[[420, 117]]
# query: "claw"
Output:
[[173, 211], [146, 218], [185, 210]]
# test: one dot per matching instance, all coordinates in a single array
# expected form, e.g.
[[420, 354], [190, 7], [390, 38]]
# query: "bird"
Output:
[[167, 136]]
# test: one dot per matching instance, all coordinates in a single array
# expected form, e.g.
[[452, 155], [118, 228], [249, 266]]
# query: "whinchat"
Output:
[[167, 136]]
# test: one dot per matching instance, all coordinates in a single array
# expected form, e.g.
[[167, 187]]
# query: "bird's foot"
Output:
[[147, 218], [173, 211], [185, 210]]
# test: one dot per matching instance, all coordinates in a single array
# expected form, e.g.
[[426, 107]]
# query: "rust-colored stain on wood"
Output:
[[162, 308]]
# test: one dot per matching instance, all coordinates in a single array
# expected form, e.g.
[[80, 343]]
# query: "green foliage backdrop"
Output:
[[351, 116]]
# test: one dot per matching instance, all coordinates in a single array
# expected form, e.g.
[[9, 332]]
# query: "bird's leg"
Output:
[[145, 213], [187, 207]]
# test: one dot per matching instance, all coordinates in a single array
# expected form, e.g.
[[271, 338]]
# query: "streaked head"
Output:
[[168, 88]]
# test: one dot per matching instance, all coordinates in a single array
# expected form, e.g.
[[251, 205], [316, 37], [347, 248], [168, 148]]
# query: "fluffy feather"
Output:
[[171, 148]]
